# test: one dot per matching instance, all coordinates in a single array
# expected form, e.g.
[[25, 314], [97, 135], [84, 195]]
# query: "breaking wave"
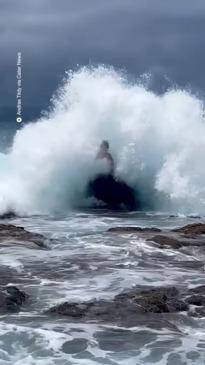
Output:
[[158, 143]]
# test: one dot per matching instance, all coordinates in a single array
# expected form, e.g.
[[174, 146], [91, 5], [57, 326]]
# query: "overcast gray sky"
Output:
[[163, 37]]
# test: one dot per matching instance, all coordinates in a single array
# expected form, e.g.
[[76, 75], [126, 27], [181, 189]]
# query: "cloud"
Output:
[[139, 36]]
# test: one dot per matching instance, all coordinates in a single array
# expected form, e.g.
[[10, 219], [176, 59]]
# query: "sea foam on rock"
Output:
[[128, 307], [189, 235], [125, 306]]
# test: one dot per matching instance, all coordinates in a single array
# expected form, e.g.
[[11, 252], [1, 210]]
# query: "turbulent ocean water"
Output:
[[85, 263], [158, 143]]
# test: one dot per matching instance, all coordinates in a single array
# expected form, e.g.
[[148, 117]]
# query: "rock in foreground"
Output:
[[167, 242], [192, 229], [126, 308], [189, 235], [11, 299], [12, 234]]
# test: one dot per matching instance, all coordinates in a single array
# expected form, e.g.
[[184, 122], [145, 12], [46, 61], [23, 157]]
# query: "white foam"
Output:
[[158, 143]]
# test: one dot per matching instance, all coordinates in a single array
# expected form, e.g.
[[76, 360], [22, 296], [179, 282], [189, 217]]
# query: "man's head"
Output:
[[104, 146]]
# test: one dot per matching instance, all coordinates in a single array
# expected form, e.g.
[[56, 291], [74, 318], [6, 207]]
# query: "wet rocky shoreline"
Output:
[[11, 234], [127, 307]]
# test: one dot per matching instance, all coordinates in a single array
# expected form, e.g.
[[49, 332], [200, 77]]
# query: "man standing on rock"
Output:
[[104, 154]]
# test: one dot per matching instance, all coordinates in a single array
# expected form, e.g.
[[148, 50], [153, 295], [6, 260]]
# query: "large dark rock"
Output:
[[13, 234], [11, 299], [114, 193]]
